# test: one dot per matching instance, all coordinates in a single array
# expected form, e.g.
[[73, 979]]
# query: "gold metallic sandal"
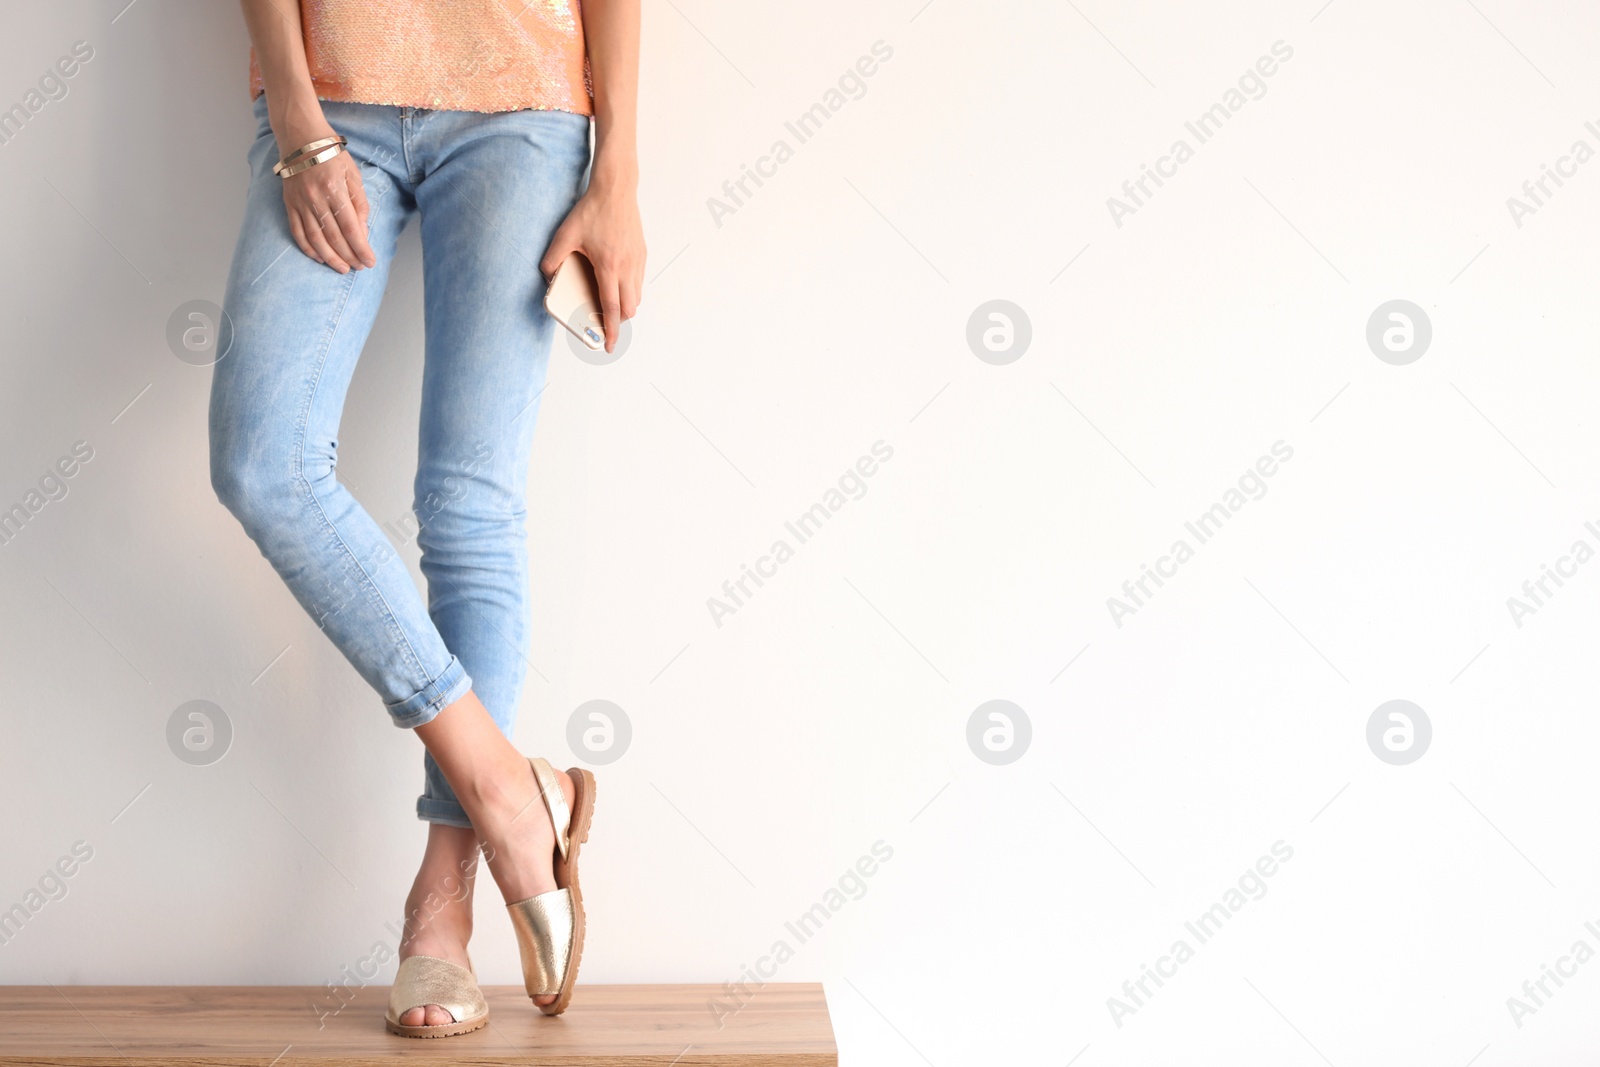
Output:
[[424, 980], [550, 926]]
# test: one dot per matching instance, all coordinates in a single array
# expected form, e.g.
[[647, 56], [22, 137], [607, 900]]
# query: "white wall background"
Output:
[[830, 713]]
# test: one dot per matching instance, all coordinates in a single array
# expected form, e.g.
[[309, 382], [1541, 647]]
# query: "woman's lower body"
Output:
[[490, 190]]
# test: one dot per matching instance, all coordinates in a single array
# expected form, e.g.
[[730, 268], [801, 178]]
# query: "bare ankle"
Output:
[[494, 794]]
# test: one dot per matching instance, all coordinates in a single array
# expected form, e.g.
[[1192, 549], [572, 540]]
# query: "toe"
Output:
[[548, 998], [426, 1015]]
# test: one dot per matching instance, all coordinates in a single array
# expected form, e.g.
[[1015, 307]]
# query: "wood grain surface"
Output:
[[782, 1025]]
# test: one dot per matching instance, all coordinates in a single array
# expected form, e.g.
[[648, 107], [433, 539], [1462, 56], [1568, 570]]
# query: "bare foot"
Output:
[[438, 919], [519, 844], [495, 784]]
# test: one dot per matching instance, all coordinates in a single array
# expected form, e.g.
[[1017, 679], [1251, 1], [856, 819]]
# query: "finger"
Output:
[[562, 245], [354, 235], [354, 219], [329, 220], [628, 296], [610, 305], [298, 232], [357, 188], [319, 241]]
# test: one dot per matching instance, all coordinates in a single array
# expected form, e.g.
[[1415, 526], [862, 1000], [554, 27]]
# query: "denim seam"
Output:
[[412, 177], [373, 592]]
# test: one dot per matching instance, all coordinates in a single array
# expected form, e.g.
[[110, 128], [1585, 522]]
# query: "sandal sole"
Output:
[[567, 878], [441, 1030]]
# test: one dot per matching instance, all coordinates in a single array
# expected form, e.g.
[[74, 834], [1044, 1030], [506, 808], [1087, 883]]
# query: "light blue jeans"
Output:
[[491, 190]]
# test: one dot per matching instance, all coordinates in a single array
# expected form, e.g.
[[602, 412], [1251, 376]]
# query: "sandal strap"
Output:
[[544, 926], [554, 801], [424, 980]]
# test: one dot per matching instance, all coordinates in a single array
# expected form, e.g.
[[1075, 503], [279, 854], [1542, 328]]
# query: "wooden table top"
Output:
[[781, 1025]]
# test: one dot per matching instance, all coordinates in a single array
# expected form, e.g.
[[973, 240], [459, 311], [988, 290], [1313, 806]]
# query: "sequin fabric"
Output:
[[456, 55]]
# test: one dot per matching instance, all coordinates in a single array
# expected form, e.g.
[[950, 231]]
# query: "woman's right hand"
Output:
[[328, 210]]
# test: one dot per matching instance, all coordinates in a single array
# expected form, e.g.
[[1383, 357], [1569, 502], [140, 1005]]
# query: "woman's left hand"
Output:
[[604, 225]]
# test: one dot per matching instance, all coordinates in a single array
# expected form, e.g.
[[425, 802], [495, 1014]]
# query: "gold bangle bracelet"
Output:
[[307, 149], [308, 162]]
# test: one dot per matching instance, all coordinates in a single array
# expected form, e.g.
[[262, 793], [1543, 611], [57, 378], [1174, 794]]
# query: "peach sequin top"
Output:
[[456, 55]]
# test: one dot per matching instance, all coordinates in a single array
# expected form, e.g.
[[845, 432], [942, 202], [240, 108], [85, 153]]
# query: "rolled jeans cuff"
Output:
[[424, 706], [444, 812]]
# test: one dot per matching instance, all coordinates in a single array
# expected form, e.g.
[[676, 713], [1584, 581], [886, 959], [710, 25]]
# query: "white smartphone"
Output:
[[573, 300]]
